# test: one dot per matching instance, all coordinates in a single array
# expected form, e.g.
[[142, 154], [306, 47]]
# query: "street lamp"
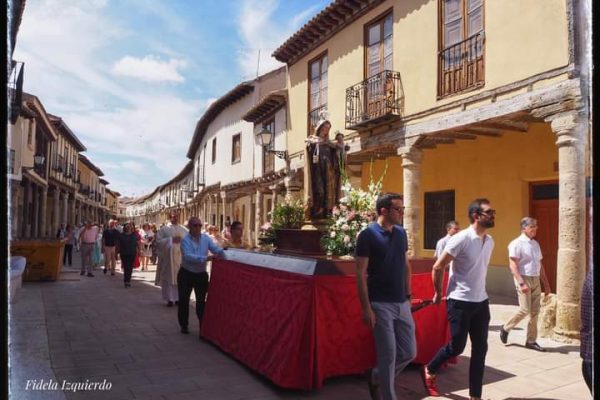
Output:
[[38, 160], [265, 137]]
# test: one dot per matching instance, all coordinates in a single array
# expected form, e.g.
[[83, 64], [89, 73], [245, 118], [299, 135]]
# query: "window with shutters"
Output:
[[236, 148], [439, 210], [462, 39], [379, 52], [317, 99]]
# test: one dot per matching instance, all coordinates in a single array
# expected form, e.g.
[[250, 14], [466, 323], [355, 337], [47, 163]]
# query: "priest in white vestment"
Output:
[[167, 242]]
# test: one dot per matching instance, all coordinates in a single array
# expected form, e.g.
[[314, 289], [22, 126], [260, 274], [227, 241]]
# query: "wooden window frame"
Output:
[[309, 75], [478, 84], [380, 19], [237, 136]]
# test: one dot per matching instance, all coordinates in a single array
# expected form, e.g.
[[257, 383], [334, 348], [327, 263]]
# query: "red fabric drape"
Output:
[[298, 330]]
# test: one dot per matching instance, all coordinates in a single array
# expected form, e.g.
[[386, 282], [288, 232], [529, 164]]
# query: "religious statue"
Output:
[[324, 172]]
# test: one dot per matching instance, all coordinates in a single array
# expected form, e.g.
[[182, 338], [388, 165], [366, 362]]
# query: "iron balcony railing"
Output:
[[377, 99], [15, 90], [461, 66]]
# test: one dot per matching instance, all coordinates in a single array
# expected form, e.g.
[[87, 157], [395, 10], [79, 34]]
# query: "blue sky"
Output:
[[132, 77]]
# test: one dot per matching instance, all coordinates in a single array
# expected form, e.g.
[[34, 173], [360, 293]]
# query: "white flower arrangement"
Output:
[[355, 211]]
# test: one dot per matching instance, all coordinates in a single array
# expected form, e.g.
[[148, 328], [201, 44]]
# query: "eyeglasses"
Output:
[[489, 212], [401, 208]]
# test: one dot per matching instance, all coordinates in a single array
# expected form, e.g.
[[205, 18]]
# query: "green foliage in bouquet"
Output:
[[355, 211], [288, 215]]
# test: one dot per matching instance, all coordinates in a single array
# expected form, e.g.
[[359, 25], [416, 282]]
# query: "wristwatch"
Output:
[[521, 283]]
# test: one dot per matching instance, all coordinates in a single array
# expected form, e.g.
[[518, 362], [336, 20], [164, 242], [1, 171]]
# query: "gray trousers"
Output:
[[395, 343], [86, 257]]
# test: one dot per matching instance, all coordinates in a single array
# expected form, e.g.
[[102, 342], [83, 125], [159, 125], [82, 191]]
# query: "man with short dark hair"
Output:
[[383, 279], [193, 274], [468, 306]]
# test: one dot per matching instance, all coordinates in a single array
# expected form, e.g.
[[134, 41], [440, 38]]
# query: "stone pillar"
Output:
[[65, 208], [56, 218], [210, 208], [35, 196], [257, 215], [44, 211], [26, 231], [411, 172], [273, 199], [293, 186], [571, 262], [224, 211]]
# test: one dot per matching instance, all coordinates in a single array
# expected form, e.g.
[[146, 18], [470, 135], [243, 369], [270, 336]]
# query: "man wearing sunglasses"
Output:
[[193, 274], [468, 307], [383, 278]]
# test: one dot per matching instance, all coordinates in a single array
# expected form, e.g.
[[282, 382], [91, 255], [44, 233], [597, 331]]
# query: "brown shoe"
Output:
[[374, 390]]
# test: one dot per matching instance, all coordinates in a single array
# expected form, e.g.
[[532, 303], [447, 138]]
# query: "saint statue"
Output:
[[324, 172]]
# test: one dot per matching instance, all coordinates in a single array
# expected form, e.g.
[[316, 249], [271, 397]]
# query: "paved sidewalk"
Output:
[[84, 330]]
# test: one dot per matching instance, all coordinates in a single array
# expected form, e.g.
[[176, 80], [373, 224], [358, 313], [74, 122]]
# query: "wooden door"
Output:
[[544, 207]]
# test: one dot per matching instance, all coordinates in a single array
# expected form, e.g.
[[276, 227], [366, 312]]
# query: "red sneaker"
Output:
[[430, 383]]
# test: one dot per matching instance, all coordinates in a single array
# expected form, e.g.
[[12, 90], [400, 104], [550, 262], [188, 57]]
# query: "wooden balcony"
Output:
[[461, 66], [377, 100]]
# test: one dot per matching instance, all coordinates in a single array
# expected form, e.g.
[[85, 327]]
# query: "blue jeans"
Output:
[[395, 343], [466, 319]]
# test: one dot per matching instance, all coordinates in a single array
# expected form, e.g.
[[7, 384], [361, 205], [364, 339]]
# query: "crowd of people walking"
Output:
[[183, 256]]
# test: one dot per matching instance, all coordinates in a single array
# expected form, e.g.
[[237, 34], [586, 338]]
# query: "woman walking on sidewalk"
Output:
[[129, 248]]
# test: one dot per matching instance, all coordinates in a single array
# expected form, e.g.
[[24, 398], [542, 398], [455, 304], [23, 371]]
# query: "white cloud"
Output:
[[260, 31], [136, 134], [149, 68]]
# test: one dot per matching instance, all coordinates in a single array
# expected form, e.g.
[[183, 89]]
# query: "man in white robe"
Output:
[[167, 241]]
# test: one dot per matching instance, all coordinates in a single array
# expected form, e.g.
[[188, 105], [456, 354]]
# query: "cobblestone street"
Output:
[[80, 329]]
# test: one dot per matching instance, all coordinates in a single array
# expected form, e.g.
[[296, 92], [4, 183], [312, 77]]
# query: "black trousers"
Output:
[[467, 319], [587, 370], [186, 281], [68, 254], [127, 266]]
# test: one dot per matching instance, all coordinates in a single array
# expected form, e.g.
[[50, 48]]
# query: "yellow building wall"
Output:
[[498, 169], [520, 41]]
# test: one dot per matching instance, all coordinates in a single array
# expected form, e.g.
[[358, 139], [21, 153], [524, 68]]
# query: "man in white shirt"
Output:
[[525, 262], [468, 306], [451, 229]]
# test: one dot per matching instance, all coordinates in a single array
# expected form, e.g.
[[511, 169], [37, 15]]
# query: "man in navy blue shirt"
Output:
[[192, 274], [383, 278]]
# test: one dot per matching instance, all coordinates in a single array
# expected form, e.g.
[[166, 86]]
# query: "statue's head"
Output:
[[322, 128]]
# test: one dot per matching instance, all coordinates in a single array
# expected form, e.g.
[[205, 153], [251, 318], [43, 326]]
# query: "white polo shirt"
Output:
[[528, 253], [439, 246], [469, 269]]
